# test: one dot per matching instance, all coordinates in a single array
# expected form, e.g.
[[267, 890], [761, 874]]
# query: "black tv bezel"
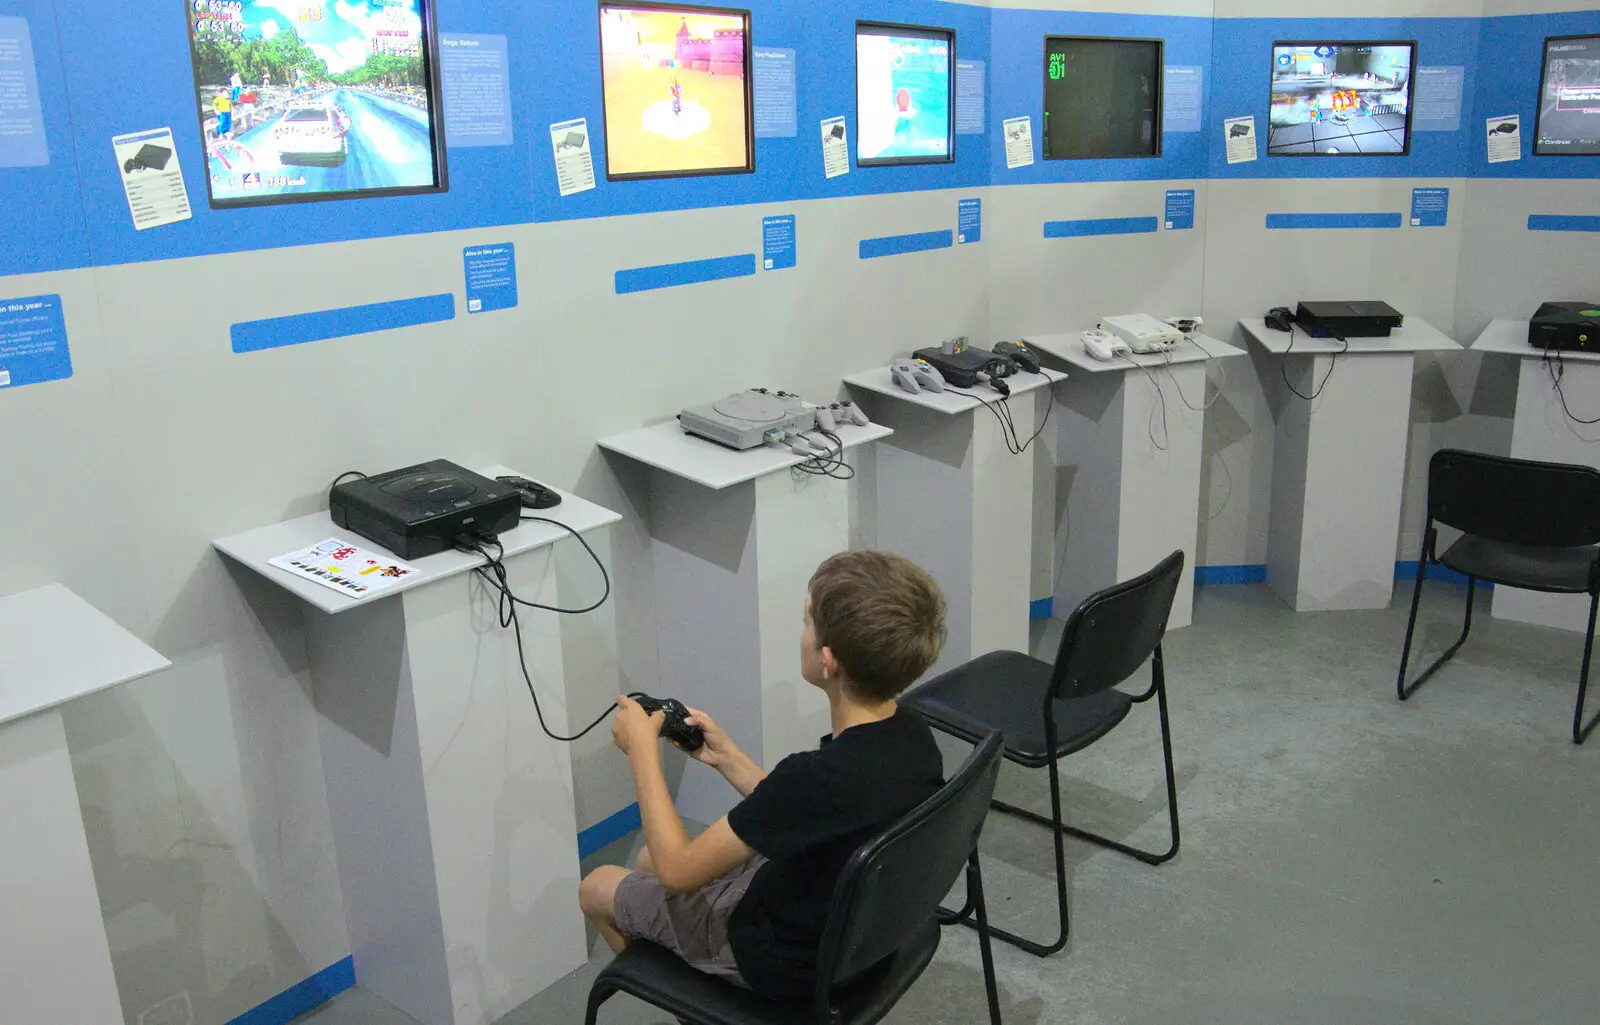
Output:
[[1411, 91], [1538, 105], [436, 140], [1161, 95], [749, 165], [931, 31]]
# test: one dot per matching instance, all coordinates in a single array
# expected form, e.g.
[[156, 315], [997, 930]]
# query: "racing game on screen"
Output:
[[904, 81], [677, 91], [1341, 99], [303, 100], [1569, 101]]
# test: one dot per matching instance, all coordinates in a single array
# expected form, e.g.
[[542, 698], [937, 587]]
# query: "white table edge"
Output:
[[962, 402], [852, 437]]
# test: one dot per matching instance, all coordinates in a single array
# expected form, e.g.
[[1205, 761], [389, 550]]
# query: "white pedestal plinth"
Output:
[[452, 810], [1131, 473], [948, 494], [1338, 472], [54, 647], [1543, 431], [735, 538]]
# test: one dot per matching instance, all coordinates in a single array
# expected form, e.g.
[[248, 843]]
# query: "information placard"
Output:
[[491, 277], [969, 221], [33, 341], [778, 244], [774, 87], [477, 90]]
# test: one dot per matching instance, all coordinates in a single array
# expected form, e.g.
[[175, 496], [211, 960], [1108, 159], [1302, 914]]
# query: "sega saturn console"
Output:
[[423, 509]]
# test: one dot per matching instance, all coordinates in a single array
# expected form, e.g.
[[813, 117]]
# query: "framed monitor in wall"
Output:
[[1569, 98], [316, 101], [678, 99], [1341, 98], [1102, 97], [905, 94]]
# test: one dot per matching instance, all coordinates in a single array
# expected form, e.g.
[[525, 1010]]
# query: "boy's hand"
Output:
[[632, 730], [719, 748]]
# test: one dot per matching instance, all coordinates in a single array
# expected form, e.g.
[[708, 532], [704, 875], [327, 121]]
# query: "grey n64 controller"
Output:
[[916, 375]]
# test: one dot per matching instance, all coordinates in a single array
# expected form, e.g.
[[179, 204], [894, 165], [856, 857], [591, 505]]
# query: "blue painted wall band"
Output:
[[1562, 222], [1101, 226], [299, 328], [692, 272], [1407, 570], [609, 830], [1041, 608], [1287, 222], [1254, 574], [302, 997], [898, 245]]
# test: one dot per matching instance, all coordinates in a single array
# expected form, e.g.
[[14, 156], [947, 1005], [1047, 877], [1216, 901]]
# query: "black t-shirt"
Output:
[[814, 811]]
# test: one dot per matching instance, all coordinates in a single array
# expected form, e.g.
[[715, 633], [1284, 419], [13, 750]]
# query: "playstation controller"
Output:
[[849, 412], [676, 728]]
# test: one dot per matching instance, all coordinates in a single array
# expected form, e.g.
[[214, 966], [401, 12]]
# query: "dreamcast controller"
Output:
[[1104, 347]]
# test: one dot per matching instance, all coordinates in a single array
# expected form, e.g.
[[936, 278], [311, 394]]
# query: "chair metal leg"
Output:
[[1449, 653], [1580, 730], [975, 896], [597, 996]]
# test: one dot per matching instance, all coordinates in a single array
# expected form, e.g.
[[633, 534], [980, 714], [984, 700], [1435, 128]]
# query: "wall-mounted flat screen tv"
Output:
[[310, 100], [1569, 98], [905, 94], [1102, 98], [1341, 99], [677, 90]]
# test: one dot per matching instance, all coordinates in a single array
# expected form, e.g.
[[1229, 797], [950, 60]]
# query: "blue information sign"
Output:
[[778, 249], [969, 221], [1430, 208], [491, 277], [774, 88], [1180, 210], [33, 341]]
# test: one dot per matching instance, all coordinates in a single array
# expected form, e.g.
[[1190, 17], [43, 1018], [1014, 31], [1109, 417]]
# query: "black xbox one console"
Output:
[[1566, 326], [1347, 319], [424, 509]]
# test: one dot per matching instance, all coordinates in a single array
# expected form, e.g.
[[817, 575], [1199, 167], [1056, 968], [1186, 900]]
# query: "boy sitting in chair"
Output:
[[747, 900]]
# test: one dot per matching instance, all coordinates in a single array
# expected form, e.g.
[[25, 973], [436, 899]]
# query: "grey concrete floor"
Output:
[[1346, 858]]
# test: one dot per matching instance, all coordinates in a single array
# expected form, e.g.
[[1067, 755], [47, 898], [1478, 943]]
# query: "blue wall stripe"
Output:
[[1041, 608], [300, 328], [693, 272], [1562, 222], [1230, 575], [302, 997], [1101, 226], [609, 830], [1281, 222], [898, 245]]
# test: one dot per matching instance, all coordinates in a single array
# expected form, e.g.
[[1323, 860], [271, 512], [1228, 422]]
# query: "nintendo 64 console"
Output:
[[421, 510], [1566, 326]]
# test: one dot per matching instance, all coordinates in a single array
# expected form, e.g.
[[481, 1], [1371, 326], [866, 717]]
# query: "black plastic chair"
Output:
[[881, 933], [1107, 638], [1524, 524]]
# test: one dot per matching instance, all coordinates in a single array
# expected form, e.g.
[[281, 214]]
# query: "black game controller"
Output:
[[1280, 318], [534, 495], [676, 728], [1020, 354]]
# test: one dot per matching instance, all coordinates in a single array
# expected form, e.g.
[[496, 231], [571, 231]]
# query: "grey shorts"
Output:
[[692, 925]]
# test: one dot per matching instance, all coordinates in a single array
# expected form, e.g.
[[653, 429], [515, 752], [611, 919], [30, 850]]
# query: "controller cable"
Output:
[[1001, 408], [494, 574], [1150, 426], [1209, 359], [1283, 367], [831, 465], [1557, 369]]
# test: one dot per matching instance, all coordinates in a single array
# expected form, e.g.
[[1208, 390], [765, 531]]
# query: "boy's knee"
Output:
[[599, 888]]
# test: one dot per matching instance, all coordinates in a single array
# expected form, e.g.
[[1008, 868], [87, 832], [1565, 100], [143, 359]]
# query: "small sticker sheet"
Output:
[[1019, 142], [574, 156], [835, 147], [344, 567], [1239, 135], [1505, 138]]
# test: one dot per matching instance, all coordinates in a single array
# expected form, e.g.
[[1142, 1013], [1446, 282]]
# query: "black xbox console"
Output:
[[1347, 319], [424, 509], [1571, 327]]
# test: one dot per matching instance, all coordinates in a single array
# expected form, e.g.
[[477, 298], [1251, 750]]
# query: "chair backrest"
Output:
[[891, 887], [1114, 632], [1516, 501]]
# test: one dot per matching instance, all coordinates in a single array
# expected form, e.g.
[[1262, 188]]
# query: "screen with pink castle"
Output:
[[677, 90]]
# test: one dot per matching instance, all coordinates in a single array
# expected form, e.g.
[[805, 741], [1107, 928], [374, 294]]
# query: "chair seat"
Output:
[[1005, 691], [660, 977], [1560, 570]]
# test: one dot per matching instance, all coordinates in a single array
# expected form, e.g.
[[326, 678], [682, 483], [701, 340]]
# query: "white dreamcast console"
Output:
[[1142, 332]]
